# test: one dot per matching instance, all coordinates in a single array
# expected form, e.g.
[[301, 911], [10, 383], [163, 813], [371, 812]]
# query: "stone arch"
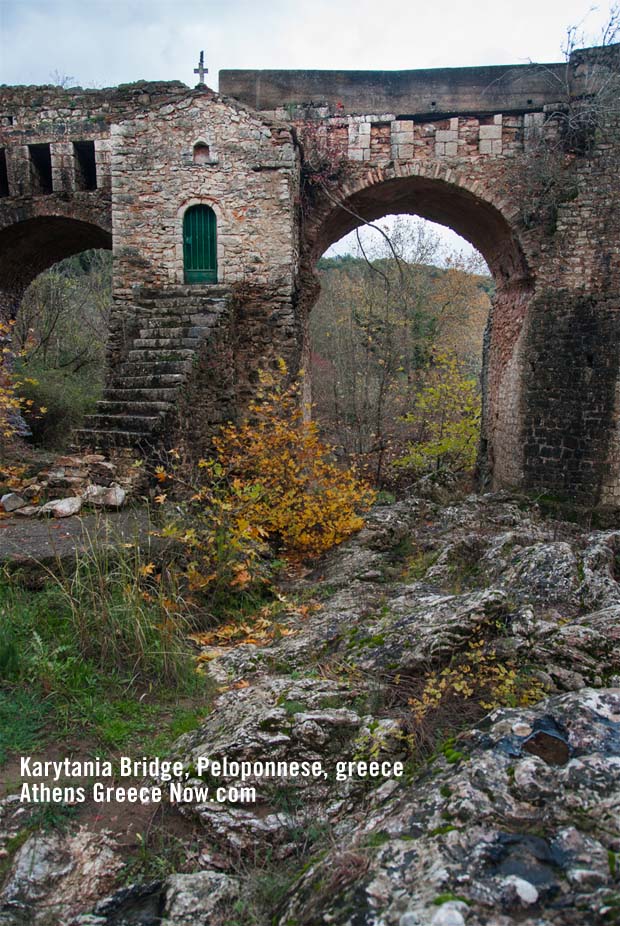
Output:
[[481, 215], [32, 245], [433, 191], [220, 216]]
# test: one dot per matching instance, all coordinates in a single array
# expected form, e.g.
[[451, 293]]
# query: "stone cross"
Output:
[[201, 70]]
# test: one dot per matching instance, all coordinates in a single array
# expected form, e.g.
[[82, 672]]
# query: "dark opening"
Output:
[[202, 154], [41, 161], [4, 177], [85, 165]]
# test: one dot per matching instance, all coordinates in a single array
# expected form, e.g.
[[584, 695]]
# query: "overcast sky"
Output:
[[101, 43]]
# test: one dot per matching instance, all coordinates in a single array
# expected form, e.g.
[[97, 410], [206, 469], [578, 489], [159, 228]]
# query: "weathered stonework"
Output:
[[291, 161]]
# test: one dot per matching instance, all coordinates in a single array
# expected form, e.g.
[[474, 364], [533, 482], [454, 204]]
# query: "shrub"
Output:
[[446, 419], [270, 486], [297, 497], [12, 402], [66, 398], [476, 680]]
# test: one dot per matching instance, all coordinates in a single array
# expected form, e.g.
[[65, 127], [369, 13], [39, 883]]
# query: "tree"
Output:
[[587, 101], [61, 331], [445, 420], [374, 332]]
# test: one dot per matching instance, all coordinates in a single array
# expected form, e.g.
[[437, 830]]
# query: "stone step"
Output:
[[98, 439], [180, 291], [149, 367], [132, 423], [142, 408], [156, 394], [187, 306], [172, 344], [149, 381], [161, 331], [169, 353], [174, 318]]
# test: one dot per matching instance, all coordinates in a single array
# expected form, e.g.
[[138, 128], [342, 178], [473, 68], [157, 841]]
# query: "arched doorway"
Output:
[[200, 245]]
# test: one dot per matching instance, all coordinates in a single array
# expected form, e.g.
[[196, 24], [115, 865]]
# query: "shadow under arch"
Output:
[[29, 247], [446, 200]]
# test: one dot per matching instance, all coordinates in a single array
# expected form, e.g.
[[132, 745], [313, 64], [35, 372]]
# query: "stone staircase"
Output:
[[174, 322]]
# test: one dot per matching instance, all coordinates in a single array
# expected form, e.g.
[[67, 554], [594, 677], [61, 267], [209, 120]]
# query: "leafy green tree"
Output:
[[445, 419]]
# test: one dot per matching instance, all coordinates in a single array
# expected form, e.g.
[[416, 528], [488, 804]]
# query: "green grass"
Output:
[[22, 720], [293, 707], [159, 853], [418, 563], [448, 896], [51, 817], [99, 654]]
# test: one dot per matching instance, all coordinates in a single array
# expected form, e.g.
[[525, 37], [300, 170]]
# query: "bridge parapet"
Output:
[[434, 92], [384, 137]]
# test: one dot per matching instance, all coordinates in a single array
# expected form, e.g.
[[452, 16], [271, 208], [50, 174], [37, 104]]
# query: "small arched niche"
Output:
[[201, 153]]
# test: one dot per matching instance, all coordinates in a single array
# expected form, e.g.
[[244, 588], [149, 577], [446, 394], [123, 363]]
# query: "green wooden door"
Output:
[[200, 245]]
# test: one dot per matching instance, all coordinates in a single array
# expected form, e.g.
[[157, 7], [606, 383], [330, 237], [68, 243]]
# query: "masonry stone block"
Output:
[[405, 151], [490, 132]]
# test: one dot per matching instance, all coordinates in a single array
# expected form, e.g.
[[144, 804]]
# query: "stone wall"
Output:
[[250, 181], [523, 162]]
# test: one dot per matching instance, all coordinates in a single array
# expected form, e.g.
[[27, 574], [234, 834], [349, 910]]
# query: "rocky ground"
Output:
[[68, 483], [508, 810]]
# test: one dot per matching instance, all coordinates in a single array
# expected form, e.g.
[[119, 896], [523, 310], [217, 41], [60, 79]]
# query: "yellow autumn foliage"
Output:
[[10, 402], [445, 420], [298, 497], [477, 674], [270, 484]]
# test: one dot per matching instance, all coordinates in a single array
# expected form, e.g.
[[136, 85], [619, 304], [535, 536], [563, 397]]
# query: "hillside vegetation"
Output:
[[383, 333]]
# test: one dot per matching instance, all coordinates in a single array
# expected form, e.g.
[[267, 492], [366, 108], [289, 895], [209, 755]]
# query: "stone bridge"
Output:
[[218, 207]]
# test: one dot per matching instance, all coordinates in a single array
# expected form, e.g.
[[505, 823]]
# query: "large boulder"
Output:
[[522, 830]]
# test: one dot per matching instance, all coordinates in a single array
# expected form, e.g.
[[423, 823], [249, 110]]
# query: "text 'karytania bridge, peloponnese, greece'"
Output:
[[217, 207]]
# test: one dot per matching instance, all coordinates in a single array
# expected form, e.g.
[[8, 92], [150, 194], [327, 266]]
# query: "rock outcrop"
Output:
[[511, 815]]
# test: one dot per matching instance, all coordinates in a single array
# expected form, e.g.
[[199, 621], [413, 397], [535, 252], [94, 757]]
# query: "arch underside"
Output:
[[29, 247], [475, 219]]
